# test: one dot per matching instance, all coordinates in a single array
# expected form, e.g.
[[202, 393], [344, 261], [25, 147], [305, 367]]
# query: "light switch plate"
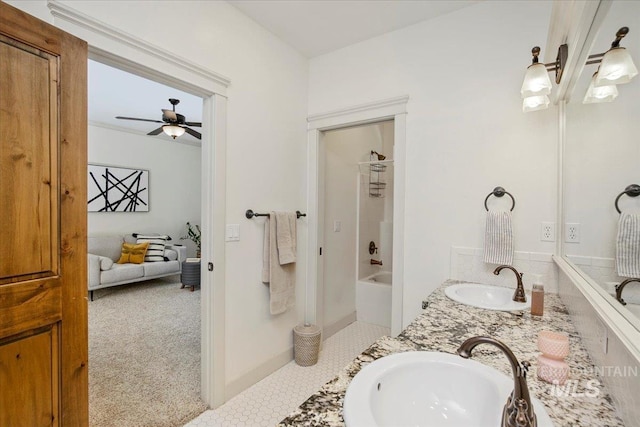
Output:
[[337, 226], [232, 233]]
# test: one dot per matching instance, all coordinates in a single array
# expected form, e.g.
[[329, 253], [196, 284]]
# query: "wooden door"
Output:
[[43, 256]]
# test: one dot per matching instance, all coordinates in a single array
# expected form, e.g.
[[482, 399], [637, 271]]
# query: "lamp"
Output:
[[616, 67], [537, 84], [596, 94], [173, 131], [536, 79], [535, 103]]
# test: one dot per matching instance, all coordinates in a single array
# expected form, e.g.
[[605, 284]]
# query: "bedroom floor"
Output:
[[273, 398]]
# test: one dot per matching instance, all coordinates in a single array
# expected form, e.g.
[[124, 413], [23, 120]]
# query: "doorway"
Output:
[[142, 354], [112, 47], [375, 112], [358, 220]]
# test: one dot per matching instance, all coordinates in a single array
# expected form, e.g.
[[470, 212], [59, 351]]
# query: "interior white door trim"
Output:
[[386, 109], [154, 57], [124, 51]]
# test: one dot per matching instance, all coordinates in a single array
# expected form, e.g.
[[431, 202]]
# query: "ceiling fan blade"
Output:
[[156, 131], [196, 124], [169, 115], [141, 120], [192, 132]]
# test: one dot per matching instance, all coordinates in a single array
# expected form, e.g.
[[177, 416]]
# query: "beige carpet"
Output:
[[144, 355]]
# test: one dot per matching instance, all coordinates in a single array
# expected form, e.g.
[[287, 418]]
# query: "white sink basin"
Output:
[[486, 296], [420, 388]]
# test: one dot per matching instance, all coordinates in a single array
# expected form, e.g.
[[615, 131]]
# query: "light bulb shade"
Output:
[[535, 103], [596, 94], [536, 81], [173, 131], [616, 68]]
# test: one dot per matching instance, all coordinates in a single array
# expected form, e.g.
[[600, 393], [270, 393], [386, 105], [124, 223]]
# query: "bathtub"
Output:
[[373, 299]]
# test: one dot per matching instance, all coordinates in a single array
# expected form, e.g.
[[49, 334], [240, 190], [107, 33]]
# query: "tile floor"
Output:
[[270, 400]]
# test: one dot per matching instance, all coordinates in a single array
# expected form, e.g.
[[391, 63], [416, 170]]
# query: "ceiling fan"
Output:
[[174, 125]]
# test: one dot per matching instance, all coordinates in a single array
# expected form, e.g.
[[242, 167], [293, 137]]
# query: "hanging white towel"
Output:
[[281, 278], [286, 236], [498, 238], [628, 245]]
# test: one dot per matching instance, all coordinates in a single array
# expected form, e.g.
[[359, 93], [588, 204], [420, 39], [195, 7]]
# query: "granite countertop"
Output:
[[445, 324]]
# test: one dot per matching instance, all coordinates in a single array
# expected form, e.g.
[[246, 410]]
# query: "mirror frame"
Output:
[[577, 23]]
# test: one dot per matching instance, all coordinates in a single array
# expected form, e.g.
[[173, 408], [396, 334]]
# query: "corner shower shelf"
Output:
[[376, 176]]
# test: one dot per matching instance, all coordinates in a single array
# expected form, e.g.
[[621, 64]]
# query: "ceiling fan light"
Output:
[[596, 94], [616, 67], [173, 131], [535, 103], [536, 81]]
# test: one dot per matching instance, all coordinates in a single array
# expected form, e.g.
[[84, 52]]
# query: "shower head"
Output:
[[380, 156]]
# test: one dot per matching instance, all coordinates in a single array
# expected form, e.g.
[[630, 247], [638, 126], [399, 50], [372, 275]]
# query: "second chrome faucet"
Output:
[[519, 295]]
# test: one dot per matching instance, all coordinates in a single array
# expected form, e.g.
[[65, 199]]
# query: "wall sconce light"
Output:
[[616, 67], [173, 131], [596, 94], [536, 85]]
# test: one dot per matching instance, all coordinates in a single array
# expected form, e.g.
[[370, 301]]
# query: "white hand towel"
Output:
[[280, 278], [286, 236], [498, 238], [628, 245]]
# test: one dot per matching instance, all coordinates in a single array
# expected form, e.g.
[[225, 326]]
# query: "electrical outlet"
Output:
[[572, 232], [548, 232]]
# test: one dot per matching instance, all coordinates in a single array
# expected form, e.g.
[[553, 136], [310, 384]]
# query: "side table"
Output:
[[190, 275]]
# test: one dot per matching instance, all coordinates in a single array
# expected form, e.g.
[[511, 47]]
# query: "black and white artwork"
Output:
[[114, 189]]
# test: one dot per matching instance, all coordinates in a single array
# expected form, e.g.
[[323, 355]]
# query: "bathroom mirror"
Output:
[[601, 155]]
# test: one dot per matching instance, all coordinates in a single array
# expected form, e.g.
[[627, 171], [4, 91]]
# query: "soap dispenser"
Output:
[[537, 296]]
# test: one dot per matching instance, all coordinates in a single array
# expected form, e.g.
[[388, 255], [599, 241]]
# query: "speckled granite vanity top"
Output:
[[445, 324]]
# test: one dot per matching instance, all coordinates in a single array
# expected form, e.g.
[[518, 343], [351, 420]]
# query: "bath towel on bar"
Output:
[[286, 236], [279, 276], [498, 238], [628, 245]]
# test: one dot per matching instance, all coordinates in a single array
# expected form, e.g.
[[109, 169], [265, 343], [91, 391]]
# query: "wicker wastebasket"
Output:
[[306, 344]]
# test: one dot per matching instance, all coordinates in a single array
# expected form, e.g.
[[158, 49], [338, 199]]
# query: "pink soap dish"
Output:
[[553, 344]]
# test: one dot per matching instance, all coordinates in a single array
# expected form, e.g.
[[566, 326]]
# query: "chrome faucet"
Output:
[[375, 262], [620, 287], [519, 295], [518, 411]]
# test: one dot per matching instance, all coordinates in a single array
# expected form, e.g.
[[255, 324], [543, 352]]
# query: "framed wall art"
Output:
[[117, 189]]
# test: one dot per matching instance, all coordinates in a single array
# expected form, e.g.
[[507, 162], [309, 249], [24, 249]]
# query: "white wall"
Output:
[[266, 152], [174, 183], [466, 132]]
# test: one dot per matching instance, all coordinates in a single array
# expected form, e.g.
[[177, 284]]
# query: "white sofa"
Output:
[[104, 272]]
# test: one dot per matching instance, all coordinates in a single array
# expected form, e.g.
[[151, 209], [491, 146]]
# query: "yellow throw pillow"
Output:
[[133, 253]]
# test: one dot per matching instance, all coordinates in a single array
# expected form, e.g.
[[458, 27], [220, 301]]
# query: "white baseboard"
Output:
[[338, 325], [264, 370]]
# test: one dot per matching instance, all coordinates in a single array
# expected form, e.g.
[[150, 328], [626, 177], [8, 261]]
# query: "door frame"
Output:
[[116, 48], [387, 109]]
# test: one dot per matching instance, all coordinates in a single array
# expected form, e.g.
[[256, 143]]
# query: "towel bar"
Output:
[[632, 190], [250, 214], [499, 192]]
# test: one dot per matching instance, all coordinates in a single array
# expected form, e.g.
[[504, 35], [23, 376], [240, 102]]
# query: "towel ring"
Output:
[[632, 190], [499, 192]]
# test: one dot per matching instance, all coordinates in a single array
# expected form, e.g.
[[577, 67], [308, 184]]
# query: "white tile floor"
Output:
[[270, 400]]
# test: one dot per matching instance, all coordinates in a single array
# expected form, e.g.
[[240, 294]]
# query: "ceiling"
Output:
[[315, 27], [114, 92], [312, 27]]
